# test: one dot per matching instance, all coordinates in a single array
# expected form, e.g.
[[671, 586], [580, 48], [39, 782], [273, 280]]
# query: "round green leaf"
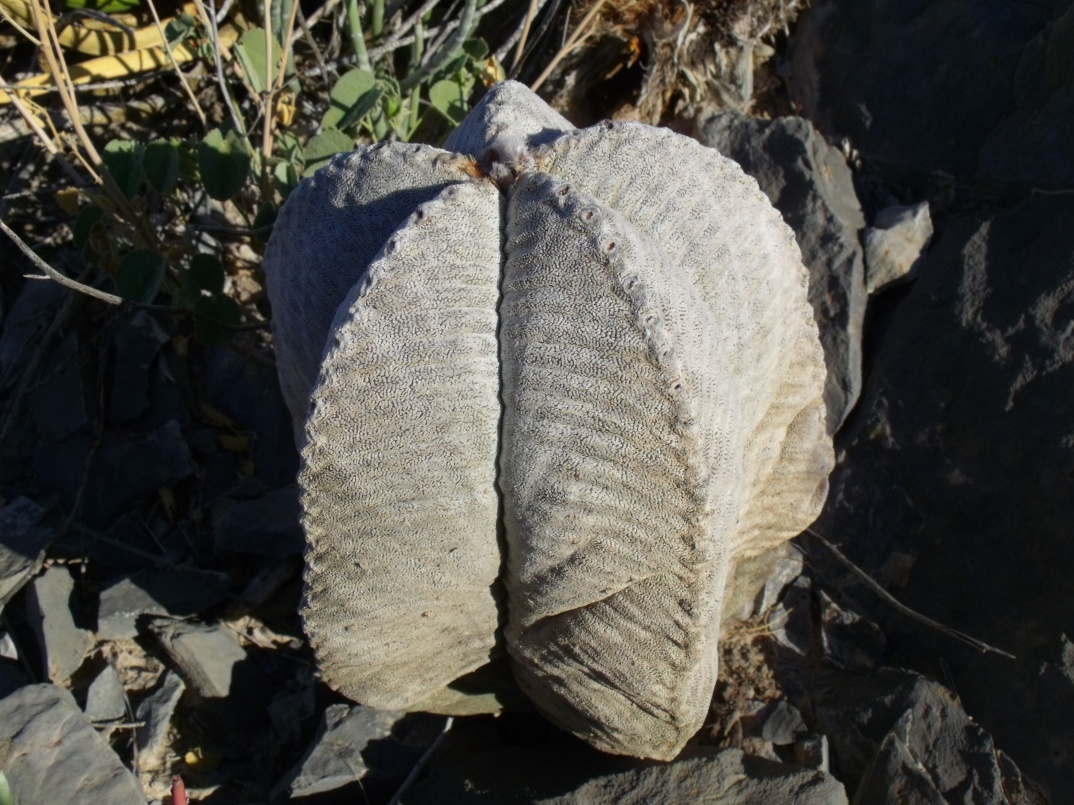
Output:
[[351, 99], [224, 163], [161, 165], [123, 158], [449, 99], [140, 275], [221, 308], [324, 146], [88, 217]]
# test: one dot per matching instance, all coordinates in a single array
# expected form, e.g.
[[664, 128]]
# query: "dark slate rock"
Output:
[[105, 700], [12, 677], [250, 395], [58, 401], [975, 91], [22, 545], [849, 640], [898, 731], [758, 581], [176, 593], [782, 724], [336, 756], [135, 342], [62, 643], [122, 473], [809, 182], [564, 775], [155, 713], [268, 526], [811, 751], [895, 245], [57, 756], [29, 317], [962, 457], [206, 655]]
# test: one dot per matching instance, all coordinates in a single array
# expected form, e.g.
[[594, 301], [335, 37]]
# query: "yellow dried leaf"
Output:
[[68, 200], [235, 443]]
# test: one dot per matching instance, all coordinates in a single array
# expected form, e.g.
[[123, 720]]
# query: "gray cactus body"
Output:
[[557, 390]]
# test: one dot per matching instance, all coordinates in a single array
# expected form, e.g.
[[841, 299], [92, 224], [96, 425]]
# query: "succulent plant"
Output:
[[550, 386]]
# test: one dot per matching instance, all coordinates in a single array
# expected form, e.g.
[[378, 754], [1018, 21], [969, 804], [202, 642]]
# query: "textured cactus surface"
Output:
[[550, 384]]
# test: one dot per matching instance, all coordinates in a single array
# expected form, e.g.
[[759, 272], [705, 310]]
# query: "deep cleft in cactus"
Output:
[[550, 385]]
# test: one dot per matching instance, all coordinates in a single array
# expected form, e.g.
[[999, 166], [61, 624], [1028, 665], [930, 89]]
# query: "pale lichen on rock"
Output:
[[552, 387]]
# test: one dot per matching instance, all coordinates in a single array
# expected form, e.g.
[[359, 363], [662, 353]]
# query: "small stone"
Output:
[[22, 545], [792, 624], [175, 593], [206, 654], [137, 341], [105, 700], [8, 649], [268, 526], [850, 640], [57, 757], [336, 756], [287, 710], [811, 751], [155, 712], [782, 724], [48, 609], [895, 246]]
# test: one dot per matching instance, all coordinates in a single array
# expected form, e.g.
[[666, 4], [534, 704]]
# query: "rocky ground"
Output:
[[150, 550]]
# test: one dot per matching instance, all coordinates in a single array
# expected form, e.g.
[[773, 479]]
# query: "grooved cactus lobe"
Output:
[[608, 325]]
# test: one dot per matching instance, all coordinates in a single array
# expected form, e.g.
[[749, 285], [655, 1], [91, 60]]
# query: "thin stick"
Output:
[[209, 21], [175, 64], [531, 12], [575, 39], [901, 608], [422, 761], [47, 142], [112, 299]]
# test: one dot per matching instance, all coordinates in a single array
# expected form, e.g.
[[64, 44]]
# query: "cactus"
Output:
[[549, 386]]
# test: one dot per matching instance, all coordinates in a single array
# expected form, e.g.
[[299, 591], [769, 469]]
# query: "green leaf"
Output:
[[140, 275], [220, 307], [224, 163], [324, 146], [265, 220], [105, 6], [289, 147], [476, 49], [88, 218], [352, 98], [160, 165], [448, 98], [250, 51], [286, 177], [123, 158], [5, 791], [180, 28]]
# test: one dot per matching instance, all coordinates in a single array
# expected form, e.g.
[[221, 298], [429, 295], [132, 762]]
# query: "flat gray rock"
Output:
[[267, 526], [62, 643], [136, 342], [155, 711], [336, 755], [898, 732], [57, 756], [206, 654], [176, 593], [571, 776], [105, 699], [22, 545], [123, 472], [809, 182]]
